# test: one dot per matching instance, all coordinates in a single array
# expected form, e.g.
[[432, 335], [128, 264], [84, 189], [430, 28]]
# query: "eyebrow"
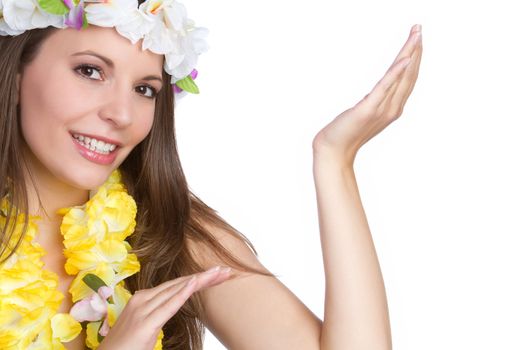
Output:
[[111, 64]]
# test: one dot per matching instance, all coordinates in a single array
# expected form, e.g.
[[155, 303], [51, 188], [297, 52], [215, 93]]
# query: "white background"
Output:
[[443, 186]]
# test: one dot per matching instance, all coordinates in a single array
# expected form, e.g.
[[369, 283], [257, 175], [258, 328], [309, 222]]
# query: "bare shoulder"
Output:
[[253, 311]]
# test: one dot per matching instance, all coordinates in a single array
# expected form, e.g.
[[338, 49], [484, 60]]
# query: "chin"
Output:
[[86, 180]]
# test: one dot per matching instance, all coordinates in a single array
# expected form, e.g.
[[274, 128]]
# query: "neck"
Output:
[[46, 197], [46, 193]]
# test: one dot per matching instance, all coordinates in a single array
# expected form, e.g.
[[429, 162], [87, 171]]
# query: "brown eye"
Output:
[[153, 91], [87, 70]]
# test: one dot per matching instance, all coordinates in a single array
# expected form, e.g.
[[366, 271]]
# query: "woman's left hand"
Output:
[[343, 137]]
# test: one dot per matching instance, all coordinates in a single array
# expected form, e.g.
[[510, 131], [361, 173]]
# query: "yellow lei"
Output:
[[94, 240]]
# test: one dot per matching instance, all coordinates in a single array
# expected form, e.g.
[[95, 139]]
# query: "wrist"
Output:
[[326, 152], [328, 169], [331, 161]]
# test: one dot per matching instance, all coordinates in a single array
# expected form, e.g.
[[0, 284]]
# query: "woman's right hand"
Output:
[[146, 312]]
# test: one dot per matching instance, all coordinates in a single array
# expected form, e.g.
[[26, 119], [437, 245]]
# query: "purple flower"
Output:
[[193, 75], [75, 17]]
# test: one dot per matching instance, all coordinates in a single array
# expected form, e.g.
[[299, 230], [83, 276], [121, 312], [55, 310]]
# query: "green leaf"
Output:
[[188, 84], [56, 7], [100, 337], [84, 20], [93, 281]]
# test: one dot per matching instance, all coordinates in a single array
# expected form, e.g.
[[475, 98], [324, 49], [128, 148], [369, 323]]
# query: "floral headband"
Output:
[[162, 24]]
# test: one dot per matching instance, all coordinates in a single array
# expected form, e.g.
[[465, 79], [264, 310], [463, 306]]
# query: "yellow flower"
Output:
[[32, 324], [80, 290], [158, 344], [74, 227], [120, 299], [94, 240], [92, 334], [111, 214], [65, 327], [44, 340], [108, 251], [128, 267]]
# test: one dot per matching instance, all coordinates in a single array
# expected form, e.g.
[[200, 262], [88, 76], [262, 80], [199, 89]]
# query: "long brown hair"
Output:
[[169, 215]]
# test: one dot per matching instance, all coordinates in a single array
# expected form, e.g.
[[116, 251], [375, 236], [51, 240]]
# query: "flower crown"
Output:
[[162, 24]]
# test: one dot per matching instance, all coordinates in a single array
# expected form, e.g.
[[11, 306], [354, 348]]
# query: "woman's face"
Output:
[[80, 115]]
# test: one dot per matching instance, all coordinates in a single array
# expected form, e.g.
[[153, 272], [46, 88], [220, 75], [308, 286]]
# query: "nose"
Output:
[[118, 108]]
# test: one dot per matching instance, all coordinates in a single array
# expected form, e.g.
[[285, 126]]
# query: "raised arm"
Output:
[[259, 312], [356, 311]]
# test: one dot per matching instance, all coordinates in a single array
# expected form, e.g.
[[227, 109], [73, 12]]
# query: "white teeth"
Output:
[[94, 144]]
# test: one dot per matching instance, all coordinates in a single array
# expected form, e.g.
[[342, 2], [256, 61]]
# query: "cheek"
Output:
[[44, 123], [143, 126], [148, 122], [48, 99]]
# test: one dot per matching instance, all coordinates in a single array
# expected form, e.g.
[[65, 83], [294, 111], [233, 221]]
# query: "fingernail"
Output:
[[212, 270], [417, 37], [417, 28], [226, 269]]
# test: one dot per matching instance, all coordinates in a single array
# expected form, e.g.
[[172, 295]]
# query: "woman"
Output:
[[115, 257]]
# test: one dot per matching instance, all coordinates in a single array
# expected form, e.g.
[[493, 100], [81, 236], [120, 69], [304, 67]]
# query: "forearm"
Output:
[[356, 311]]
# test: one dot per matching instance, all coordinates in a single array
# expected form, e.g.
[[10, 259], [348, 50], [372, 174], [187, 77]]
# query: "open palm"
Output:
[[344, 135]]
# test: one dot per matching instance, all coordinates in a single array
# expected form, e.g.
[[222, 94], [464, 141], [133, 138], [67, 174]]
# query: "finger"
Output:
[[160, 315], [415, 54], [153, 291], [381, 89], [405, 86], [401, 86], [408, 47], [383, 86], [203, 279], [222, 276], [415, 74]]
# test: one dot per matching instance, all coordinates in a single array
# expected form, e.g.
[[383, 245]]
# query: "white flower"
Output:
[[171, 28], [4, 28], [159, 37], [22, 15], [110, 14], [176, 16], [135, 26], [162, 25], [183, 58]]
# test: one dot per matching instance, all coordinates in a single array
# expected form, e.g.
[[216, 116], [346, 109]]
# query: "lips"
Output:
[[101, 138], [95, 157]]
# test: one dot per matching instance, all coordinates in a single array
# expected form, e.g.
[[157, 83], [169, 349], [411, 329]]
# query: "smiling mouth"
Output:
[[94, 145]]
